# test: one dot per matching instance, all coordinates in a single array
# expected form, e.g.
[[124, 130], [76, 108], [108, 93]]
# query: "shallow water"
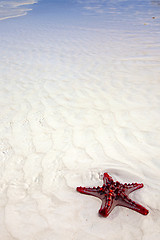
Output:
[[80, 95]]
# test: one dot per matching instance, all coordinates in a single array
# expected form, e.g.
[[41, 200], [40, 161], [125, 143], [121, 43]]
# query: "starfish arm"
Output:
[[127, 202], [132, 187], [107, 178], [90, 191], [106, 207]]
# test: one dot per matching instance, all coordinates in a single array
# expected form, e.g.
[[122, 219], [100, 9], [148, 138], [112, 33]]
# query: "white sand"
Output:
[[76, 102]]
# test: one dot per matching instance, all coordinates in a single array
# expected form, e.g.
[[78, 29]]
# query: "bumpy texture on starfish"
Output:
[[114, 194]]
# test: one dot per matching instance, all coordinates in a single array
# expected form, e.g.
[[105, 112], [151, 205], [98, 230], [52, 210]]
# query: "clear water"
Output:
[[79, 95]]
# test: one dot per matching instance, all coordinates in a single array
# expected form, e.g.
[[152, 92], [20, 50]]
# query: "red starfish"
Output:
[[114, 194]]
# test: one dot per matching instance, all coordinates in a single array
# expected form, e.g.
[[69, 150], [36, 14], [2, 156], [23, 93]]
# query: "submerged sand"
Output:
[[76, 102]]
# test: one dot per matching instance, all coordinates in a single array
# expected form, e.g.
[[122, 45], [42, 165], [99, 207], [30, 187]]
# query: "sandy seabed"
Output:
[[76, 102]]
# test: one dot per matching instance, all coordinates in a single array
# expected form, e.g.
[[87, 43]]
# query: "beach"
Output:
[[79, 96]]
